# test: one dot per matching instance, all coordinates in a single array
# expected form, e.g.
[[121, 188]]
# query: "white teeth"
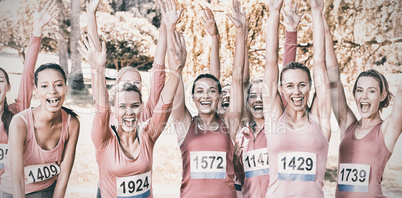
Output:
[[53, 100], [364, 103], [205, 103], [296, 99]]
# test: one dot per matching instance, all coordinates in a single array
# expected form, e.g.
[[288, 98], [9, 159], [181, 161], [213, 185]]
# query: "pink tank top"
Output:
[[47, 161], [361, 163], [297, 160], [255, 162], [207, 163]]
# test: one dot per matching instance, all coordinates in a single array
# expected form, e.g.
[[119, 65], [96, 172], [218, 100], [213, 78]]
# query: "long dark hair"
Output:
[[210, 76], [7, 114], [61, 71]]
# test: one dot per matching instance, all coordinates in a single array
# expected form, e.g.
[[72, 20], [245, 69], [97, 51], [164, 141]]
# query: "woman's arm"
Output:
[[41, 18], [67, 162], [273, 107], [321, 81], [158, 73], [342, 112], [97, 59], [161, 114], [234, 113], [392, 126], [181, 116], [17, 137], [210, 26]]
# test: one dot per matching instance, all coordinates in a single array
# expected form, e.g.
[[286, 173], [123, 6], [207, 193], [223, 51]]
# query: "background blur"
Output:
[[367, 34]]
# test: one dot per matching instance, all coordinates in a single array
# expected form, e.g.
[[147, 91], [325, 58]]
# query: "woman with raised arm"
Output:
[[41, 18], [42, 140], [253, 157], [130, 74], [297, 138], [206, 140], [366, 144], [124, 152]]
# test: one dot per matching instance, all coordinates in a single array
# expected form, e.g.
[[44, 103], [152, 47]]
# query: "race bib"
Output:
[[297, 166], [353, 177], [255, 162], [137, 186], [3, 155], [42, 172], [237, 183], [208, 164]]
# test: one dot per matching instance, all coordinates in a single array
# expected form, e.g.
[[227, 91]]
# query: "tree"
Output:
[[76, 79]]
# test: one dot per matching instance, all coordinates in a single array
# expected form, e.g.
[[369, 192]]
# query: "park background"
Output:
[[367, 34]]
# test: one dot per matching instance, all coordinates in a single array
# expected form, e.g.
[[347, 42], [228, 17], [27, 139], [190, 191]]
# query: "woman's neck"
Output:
[[44, 116], [259, 124], [207, 121], [370, 121], [127, 138]]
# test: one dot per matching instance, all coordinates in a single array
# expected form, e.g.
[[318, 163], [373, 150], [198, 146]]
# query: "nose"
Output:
[[259, 98], [53, 89], [129, 111]]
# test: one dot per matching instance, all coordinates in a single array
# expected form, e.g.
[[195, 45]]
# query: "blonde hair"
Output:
[[125, 70]]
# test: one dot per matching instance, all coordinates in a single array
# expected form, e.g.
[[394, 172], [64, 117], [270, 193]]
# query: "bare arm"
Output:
[[181, 116], [342, 112], [67, 162], [97, 59], [41, 18], [321, 81], [393, 125], [92, 6], [212, 29], [236, 89], [272, 102], [292, 20], [17, 137], [169, 91], [158, 74]]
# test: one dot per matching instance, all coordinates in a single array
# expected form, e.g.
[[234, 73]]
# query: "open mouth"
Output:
[[129, 121], [365, 106], [258, 108], [297, 101], [206, 103], [53, 101]]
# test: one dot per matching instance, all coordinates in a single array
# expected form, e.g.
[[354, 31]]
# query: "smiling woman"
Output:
[[42, 140]]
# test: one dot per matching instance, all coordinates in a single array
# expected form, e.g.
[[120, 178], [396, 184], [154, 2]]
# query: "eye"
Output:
[[135, 106], [289, 86], [253, 96], [302, 85], [359, 90], [122, 106], [44, 86], [59, 85], [199, 91], [372, 91], [212, 91]]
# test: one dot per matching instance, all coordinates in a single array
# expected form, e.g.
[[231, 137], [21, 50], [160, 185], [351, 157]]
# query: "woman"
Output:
[[130, 74], [366, 144], [42, 140], [297, 138], [206, 140], [252, 160], [124, 152], [26, 86]]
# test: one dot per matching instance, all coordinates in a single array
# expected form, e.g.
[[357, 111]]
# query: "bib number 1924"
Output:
[[38, 173], [134, 186]]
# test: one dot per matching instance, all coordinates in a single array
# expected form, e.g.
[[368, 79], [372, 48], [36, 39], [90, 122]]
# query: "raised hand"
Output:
[[42, 17], [317, 5], [169, 12], [92, 6], [239, 15], [94, 56], [275, 5], [179, 52], [291, 18], [209, 22]]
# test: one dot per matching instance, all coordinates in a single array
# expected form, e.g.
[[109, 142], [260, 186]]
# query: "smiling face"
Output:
[[206, 95], [296, 88], [254, 101], [127, 109], [4, 86], [51, 89], [133, 77], [368, 96], [225, 98]]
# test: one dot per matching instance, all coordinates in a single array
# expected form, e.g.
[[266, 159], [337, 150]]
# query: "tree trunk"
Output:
[[62, 44], [76, 79]]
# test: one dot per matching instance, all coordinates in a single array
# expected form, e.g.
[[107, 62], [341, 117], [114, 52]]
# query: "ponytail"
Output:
[[6, 117], [69, 111]]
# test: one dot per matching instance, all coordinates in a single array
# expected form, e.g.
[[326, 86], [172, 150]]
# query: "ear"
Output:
[[384, 96], [9, 88], [36, 92], [67, 89]]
